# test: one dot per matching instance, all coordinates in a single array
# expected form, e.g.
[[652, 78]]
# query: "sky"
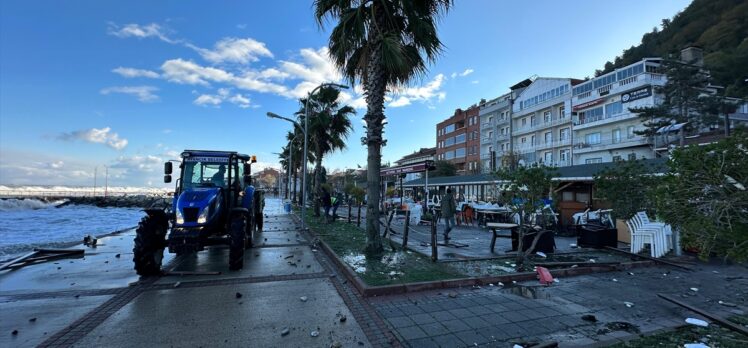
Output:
[[126, 85]]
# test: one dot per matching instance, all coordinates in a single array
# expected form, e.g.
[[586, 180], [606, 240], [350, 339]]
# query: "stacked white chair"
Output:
[[416, 212], [640, 237], [667, 231]]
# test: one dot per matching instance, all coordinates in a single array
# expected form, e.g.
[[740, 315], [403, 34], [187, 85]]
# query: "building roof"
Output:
[[582, 172], [424, 151]]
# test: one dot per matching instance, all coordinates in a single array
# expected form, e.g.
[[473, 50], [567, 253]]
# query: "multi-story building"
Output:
[[604, 128], [541, 122], [424, 154], [494, 131], [457, 140]]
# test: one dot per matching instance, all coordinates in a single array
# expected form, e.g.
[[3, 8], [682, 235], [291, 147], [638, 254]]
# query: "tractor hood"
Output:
[[195, 203]]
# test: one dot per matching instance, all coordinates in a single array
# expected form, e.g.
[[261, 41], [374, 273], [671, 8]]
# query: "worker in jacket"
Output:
[[448, 213]]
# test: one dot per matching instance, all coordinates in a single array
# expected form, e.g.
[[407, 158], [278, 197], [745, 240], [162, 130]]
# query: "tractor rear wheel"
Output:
[[237, 241], [150, 240]]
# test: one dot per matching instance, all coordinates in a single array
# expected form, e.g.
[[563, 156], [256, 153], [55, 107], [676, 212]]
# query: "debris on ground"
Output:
[[628, 304], [343, 318], [32, 320], [618, 326], [336, 344], [288, 257], [239, 295], [177, 284], [285, 331], [694, 289], [117, 256], [452, 294], [727, 304], [695, 345], [314, 333], [541, 254], [15, 332], [303, 298], [697, 322], [590, 318]]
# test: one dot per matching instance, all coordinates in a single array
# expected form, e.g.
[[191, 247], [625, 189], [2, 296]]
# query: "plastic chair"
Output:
[[667, 229], [660, 233], [415, 214], [640, 237]]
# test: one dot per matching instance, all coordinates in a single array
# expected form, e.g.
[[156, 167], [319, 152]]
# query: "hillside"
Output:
[[720, 27]]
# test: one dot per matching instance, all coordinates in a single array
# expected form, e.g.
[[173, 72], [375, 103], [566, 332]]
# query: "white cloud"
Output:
[[98, 136], [131, 72], [475, 82], [187, 72], [402, 101], [241, 26], [140, 163], [56, 164], [223, 95], [143, 93], [139, 31], [234, 50], [467, 72]]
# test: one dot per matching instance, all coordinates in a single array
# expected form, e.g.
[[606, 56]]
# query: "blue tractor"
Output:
[[214, 203]]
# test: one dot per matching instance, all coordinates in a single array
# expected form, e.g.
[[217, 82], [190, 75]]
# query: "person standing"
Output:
[[448, 213], [326, 203], [336, 200]]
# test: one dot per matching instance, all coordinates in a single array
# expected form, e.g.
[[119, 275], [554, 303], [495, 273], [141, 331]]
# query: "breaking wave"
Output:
[[27, 204]]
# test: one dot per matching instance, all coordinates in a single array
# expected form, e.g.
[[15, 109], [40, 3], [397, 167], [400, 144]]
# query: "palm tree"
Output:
[[382, 43], [296, 147], [329, 126]]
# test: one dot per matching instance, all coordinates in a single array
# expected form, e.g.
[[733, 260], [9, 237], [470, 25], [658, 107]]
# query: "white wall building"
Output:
[[541, 117], [603, 126], [494, 131]]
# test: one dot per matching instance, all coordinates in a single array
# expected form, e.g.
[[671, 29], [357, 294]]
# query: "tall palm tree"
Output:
[[296, 148], [382, 43], [329, 126]]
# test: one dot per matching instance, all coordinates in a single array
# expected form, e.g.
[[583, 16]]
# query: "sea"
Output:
[[27, 223]]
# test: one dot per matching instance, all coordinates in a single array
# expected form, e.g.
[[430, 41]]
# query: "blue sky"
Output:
[[128, 84]]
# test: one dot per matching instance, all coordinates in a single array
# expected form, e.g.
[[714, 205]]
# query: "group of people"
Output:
[[330, 202]]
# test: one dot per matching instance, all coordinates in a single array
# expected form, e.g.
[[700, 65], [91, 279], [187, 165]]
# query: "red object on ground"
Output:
[[545, 276]]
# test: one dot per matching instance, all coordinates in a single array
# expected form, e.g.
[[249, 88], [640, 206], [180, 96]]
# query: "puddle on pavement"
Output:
[[530, 292], [361, 264]]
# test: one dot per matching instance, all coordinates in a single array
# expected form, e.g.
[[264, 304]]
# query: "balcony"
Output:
[[541, 125], [626, 84], [486, 140], [599, 121], [529, 147], [608, 144]]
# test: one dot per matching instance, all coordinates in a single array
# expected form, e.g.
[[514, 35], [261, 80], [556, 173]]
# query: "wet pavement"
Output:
[[98, 300]]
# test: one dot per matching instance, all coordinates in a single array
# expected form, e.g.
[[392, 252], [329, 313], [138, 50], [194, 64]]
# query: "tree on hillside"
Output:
[[382, 44], [444, 168], [329, 126]]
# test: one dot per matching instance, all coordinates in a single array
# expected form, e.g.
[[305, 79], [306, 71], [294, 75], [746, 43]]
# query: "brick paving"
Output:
[[499, 317]]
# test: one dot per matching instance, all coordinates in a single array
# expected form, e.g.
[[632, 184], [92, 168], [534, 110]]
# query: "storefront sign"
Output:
[[635, 94], [587, 104], [411, 168]]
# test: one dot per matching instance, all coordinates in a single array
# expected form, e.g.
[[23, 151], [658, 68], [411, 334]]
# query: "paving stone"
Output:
[[461, 313], [514, 316], [475, 322], [449, 340], [479, 310], [471, 337], [411, 310], [443, 316], [513, 330], [514, 305], [430, 307], [494, 319], [400, 322], [497, 331], [448, 305], [531, 313], [434, 329], [498, 308], [455, 325], [422, 318], [425, 342], [411, 332]]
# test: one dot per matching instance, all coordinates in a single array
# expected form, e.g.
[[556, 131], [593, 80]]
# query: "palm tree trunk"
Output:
[[376, 87], [295, 178], [317, 184]]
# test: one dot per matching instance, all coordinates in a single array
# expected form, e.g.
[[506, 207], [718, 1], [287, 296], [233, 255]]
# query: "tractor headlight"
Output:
[[180, 217], [203, 217]]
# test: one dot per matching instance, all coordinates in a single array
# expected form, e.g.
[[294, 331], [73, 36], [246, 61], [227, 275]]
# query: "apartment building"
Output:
[[541, 122], [603, 127], [424, 154], [457, 140], [494, 131]]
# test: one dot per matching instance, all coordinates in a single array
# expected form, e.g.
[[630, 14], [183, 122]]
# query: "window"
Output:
[[490, 134], [616, 136], [592, 115], [628, 72], [547, 116], [502, 147], [630, 132], [548, 157], [524, 140], [459, 139], [490, 149], [563, 155], [632, 156], [524, 121], [449, 129], [562, 112], [548, 137], [613, 109], [449, 155], [502, 131], [604, 81], [532, 140], [563, 134], [593, 160], [533, 121], [567, 196], [592, 138], [490, 118], [616, 158], [583, 197], [460, 152], [449, 141]]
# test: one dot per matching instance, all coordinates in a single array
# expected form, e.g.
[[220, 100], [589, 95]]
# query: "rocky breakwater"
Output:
[[132, 201]]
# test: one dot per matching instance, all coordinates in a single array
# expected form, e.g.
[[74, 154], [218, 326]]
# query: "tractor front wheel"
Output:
[[237, 241], [148, 249]]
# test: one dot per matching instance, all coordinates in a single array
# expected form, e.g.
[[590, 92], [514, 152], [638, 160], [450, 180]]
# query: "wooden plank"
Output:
[[17, 260], [724, 322], [583, 263], [61, 251], [650, 258], [189, 273]]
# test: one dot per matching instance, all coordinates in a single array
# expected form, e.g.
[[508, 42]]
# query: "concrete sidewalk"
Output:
[[98, 300]]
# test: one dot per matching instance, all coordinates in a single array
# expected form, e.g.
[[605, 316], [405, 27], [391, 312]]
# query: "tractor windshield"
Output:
[[205, 174]]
